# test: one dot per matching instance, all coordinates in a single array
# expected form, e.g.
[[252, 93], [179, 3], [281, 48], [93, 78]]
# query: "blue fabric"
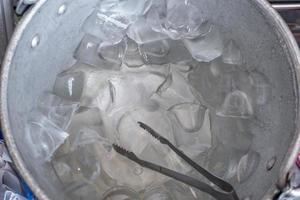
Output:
[[27, 192], [1, 135]]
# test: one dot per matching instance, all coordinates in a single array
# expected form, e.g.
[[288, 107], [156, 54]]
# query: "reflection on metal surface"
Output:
[[292, 18], [287, 6], [290, 11]]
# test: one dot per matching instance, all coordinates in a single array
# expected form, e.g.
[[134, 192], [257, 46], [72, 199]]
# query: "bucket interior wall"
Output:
[[33, 71]]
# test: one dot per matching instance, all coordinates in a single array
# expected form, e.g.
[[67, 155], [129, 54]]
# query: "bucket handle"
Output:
[[283, 5]]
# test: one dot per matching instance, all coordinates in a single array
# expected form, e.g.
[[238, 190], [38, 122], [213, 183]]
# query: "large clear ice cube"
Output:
[[175, 90], [57, 110], [179, 190], [69, 85], [87, 53], [165, 51], [184, 20], [157, 193], [177, 19], [236, 104], [134, 138], [125, 173], [127, 8], [247, 166], [108, 27], [140, 86], [232, 54], [98, 89], [232, 133], [142, 33], [223, 162], [262, 89], [155, 52], [189, 115], [113, 53], [132, 56], [196, 143], [43, 137], [206, 48], [87, 118], [216, 80]]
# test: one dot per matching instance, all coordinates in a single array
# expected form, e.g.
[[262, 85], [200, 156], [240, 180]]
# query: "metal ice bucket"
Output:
[[44, 42]]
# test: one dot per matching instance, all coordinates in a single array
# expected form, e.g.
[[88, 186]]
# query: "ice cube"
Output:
[[105, 98], [80, 165], [206, 48], [236, 80], [87, 53], [78, 161], [184, 20], [170, 51], [43, 137], [261, 86], [98, 89], [88, 135], [157, 154], [140, 86], [176, 163], [232, 54], [142, 33], [236, 104], [57, 110], [182, 68], [82, 190], [107, 5], [195, 143], [223, 162], [87, 118], [189, 115], [125, 174], [157, 193], [219, 68], [132, 56], [216, 79], [175, 90], [113, 53], [127, 8], [247, 166], [122, 192], [178, 53], [177, 19], [69, 85], [157, 14], [155, 52], [134, 138], [157, 69], [109, 27], [233, 133], [179, 190]]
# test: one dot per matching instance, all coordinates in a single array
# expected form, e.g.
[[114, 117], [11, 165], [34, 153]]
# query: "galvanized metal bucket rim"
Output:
[[263, 5]]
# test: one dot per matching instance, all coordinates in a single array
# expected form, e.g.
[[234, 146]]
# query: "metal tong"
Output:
[[221, 190]]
